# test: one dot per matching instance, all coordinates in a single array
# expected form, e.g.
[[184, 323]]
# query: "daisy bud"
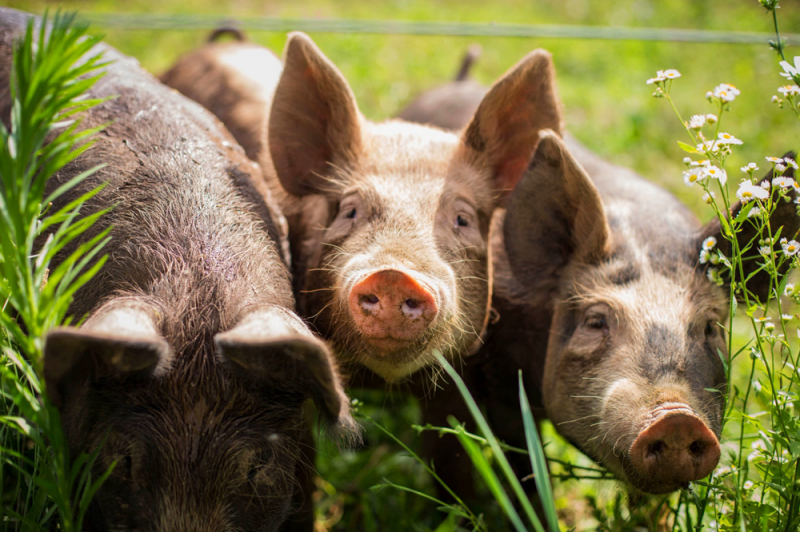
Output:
[[687, 160], [711, 119]]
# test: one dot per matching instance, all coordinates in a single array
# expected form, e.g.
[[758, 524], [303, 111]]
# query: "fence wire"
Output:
[[173, 22]]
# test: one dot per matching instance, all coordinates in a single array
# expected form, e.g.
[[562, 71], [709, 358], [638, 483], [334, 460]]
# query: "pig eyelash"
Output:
[[462, 222]]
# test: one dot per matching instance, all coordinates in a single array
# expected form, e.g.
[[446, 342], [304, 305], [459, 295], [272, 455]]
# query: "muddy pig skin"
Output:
[[192, 366], [604, 305]]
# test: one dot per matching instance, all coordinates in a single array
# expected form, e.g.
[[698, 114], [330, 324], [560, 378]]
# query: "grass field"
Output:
[[607, 106]]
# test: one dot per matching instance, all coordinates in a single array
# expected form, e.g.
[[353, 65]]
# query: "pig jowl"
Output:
[[191, 368], [390, 222]]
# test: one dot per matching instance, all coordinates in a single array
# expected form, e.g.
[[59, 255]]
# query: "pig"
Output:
[[389, 222], [191, 368], [604, 305]]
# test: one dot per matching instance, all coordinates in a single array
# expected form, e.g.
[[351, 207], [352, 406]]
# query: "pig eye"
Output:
[[461, 221], [597, 322], [124, 468], [710, 328], [259, 465], [350, 213]]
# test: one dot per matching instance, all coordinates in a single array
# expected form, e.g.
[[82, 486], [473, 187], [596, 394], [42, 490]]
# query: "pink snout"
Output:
[[676, 448], [391, 308]]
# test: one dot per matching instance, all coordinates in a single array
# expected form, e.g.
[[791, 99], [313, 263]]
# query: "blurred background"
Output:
[[607, 105]]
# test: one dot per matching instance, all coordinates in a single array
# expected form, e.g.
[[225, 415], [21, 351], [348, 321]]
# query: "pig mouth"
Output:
[[673, 448]]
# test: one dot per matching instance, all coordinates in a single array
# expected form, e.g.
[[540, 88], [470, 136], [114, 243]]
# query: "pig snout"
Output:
[[674, 448], [391, 308]]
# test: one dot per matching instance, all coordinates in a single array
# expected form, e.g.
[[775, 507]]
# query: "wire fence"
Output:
[[173, 22]]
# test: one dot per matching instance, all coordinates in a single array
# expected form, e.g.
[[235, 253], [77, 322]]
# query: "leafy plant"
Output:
[[49, 79], [757, 485]]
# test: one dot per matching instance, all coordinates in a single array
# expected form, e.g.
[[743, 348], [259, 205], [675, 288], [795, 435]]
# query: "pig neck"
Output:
[[642, 218]]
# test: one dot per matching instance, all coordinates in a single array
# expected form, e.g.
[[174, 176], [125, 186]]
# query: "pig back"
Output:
[[183, 202]]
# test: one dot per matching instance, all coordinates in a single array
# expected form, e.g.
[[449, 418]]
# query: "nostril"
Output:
[[411, 303], [657, 448], [697, 448], [369, 298]]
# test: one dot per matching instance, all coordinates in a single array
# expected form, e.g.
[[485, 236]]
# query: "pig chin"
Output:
[[660, 443]]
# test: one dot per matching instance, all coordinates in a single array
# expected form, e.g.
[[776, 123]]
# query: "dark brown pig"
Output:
[[192, 367], [391, 221], [604, 305]]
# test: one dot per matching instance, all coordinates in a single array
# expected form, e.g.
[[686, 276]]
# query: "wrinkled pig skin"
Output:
[[603, 303], [191, 369]]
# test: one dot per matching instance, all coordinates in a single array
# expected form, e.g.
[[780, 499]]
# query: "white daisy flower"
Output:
[[787, 318], [769, 326], [690, 177], [789, 90], [709, 197], [748, 168], [659, 77], [790, 71], [713, 275], [709, 243], [727, 138], [687, 160], [780, 167], [726, 92], [783, 182], [716, 173], [790, 248], [775, 99], [790, 162], [714, 259], [765, 185], [789, 289], [747, 485], [756, 211], [748, 192], [765, 251], [696, 122], [774, 159], [705, 255], [670, 73], [711, 118]]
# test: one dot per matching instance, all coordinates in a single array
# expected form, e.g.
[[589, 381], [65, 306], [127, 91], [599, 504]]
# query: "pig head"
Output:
[[634, 372], [391, 221]]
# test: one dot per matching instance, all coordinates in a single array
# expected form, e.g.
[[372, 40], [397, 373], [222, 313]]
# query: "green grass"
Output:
[[607, 106]]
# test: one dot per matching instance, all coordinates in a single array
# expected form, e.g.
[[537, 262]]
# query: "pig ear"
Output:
[[272, 348], [555, 215], [314, 125], [784, 216], [502, 135], [117, 340]]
